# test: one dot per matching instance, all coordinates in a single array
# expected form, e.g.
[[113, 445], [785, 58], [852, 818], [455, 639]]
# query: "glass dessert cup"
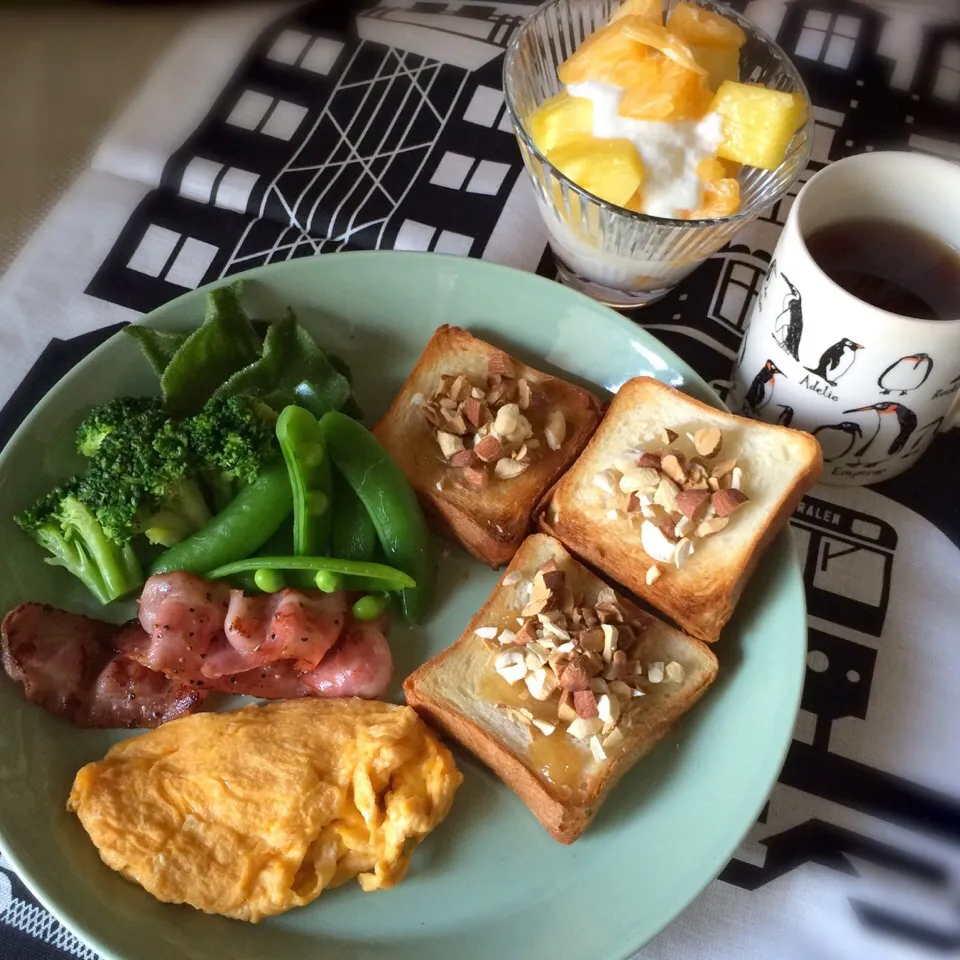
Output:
[[618, 257]]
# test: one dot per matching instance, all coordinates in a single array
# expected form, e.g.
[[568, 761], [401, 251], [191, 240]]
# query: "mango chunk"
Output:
[[758, 124], [609, 169], [721, 63], [560, 119]]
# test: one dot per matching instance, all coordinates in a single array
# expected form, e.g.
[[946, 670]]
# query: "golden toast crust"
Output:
[[492, 521], [701, 596], [436, 690]]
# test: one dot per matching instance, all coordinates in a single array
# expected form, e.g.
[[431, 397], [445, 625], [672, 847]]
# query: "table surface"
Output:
[[64, 75], [857, 853]]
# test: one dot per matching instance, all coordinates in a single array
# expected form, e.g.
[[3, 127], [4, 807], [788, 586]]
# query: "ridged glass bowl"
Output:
[[616, 256]]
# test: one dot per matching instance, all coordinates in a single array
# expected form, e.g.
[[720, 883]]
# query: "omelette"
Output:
[[253, 812]]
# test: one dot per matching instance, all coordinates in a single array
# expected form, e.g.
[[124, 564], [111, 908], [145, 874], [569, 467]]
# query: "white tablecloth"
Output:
[[275, 132]]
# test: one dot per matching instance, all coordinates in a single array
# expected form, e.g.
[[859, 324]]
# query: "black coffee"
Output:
[[892, 266]]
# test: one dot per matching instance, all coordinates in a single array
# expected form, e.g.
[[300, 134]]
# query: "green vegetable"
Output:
[[391, 503], [328, 581], [68, 529], [371, 606], [290, 356], [233, 439], [305, 453], [142, 478], [158, 346], [388, 578], [269, 581], [143, 412], [224, 343], [237, 531], [351, 533]]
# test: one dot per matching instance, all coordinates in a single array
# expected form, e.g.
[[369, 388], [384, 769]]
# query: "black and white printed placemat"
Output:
[[275, 133]]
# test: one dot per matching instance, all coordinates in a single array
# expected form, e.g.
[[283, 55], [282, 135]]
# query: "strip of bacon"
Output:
[[182, 616], [360, 665], [288, 625], [70, 665]]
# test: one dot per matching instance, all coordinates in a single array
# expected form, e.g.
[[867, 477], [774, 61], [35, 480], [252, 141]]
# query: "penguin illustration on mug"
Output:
[[788, 326], [835, 361], [837, 439], [906, 374], [905, 422], [761, 389]]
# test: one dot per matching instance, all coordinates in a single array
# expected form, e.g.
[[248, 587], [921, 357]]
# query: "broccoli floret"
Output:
[[146, 412], [233, 438], [65, 527], [143, 480]]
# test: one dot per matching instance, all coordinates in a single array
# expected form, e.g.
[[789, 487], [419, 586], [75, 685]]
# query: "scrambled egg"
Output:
[[252, 812]]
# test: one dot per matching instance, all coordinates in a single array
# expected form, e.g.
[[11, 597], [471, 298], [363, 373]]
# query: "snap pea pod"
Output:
[[351, 533], [391, 504], [238, 531], [386, 578], [305, 452]]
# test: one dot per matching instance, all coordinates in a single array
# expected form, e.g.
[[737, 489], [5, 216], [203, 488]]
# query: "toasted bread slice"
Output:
[[491, 517], [776, 466], [558, 777]]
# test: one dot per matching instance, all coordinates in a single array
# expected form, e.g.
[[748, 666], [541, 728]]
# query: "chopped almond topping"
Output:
[[585, 703], [499, 364], [507, 469], [473, 411], [576, 675], [523, 394], [672, 466], [670, 498], [463, 458], [487, 418], [726, 502], [489, 449], [569, 656], [708, 441], [692, 503]]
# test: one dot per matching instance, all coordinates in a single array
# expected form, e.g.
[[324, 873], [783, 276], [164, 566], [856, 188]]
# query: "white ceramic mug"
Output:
[[873, 387]]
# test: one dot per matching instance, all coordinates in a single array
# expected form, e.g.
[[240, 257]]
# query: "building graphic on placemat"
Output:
[[394, 136]]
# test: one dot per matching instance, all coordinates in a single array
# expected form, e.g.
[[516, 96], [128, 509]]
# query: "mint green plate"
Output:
[[489, 882]]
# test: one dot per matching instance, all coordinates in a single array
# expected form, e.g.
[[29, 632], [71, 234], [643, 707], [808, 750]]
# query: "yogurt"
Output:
[[670, 151]]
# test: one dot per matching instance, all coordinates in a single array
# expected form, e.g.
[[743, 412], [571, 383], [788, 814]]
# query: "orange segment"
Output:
[[721, 198], [607, 56], [721, 193], [609, 169], [697, 26], [645, 9], [659, 38], [710, 169], [714, 41], [665, 91], [560, 119], [758, 123]]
